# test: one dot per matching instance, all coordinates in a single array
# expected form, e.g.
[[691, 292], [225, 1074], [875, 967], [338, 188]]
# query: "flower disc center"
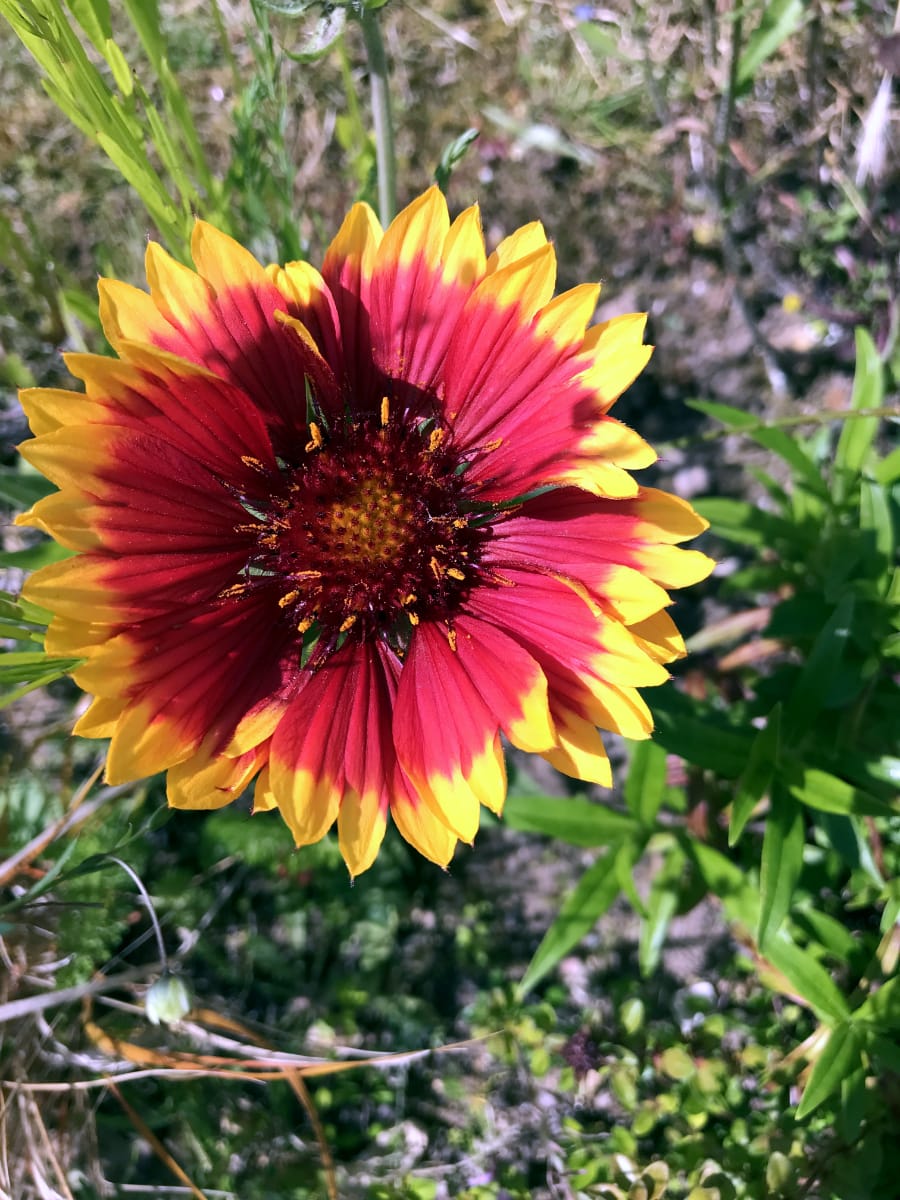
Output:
[[373, 533], [364, 529]]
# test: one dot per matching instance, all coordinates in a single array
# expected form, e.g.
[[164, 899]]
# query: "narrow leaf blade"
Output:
[[858, 433], [807, 979], [780, 19], [757, 777], [840, 1056], [782, 861], [646, 782], [576, 821], [593, 895], [811, 689], [828, 793]]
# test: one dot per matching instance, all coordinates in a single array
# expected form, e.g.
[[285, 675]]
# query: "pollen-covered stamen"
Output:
[[373, 531]]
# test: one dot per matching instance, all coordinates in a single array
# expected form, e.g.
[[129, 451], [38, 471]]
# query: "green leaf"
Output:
[[35, 556], [21, 609], [23, 666], [840, 1056], [8, 698], [810, 692], [808, 979], [144, 16], [733, 418], [781, 443], [18, 633], [579, 822], [626, 856], [829, 794], [845, 836], [118, 64], [21, 490], [722, 876], [858, 433], [780, 20], [891, 914], [45, 883], [171, 156], [853, 1105], [782, 862], [18, 622], [831, 934], [80, 307], [93, 17], [756, 779], [67, 106], [887, 471], [776, 440], [875, 516], [646, 783], [593, 895], [886, 1050], [677, 1063], [661, 906], [882, 1008], [725, 880], [774, 489], [742, 522], [180, 114], [601, 43], [132, 163], [693, 731], [452, 156]]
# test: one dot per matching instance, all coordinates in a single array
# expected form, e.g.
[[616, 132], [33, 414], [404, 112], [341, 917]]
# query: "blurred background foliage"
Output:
[[685, 988]]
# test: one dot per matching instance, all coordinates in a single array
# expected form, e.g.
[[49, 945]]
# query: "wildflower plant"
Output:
[[340, 534]]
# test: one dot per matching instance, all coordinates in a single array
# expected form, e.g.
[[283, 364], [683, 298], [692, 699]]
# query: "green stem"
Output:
[[725, 115], [360, 136], [148, 904], [820, 418], [381, 116]]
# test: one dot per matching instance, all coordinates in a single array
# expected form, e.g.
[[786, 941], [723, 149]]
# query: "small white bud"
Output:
[[167, 1001]]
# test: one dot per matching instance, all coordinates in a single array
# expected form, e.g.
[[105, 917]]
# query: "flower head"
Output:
[[338, 532]]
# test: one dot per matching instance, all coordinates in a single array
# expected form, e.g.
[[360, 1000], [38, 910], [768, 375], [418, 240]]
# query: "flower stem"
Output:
[[381, 115], [148, 904], [789, 422]]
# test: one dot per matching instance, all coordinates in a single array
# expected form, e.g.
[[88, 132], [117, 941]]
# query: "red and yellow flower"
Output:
[[337, 532]]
